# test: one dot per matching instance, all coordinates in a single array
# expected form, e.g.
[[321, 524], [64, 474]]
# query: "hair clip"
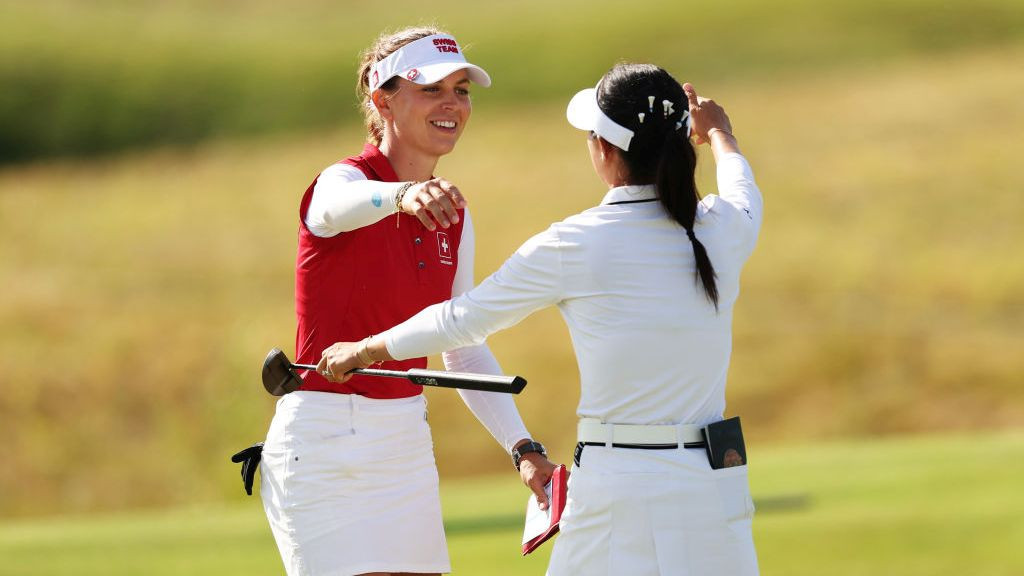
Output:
[[641, 115], [685, 120], [667, 106], [650, 103]]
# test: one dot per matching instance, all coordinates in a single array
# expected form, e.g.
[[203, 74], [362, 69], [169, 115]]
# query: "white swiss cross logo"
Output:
[[444, 248]]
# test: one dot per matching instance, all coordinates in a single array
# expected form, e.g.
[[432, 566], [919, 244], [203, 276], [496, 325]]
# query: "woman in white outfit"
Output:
[[646, 282]]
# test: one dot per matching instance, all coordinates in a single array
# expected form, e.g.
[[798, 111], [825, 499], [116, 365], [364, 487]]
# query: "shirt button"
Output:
[[418, 241], [422, 265]]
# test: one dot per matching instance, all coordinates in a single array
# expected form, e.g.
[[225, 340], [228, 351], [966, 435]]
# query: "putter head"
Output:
[[278, 376]]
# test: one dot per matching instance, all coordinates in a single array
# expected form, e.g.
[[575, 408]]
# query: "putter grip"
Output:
[[465, 381], [490, 382]]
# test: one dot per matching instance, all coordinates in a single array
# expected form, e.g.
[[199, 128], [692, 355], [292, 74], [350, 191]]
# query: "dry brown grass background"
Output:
[[886, 296]]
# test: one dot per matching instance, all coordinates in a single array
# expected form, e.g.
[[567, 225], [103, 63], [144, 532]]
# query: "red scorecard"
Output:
[[543, 524]]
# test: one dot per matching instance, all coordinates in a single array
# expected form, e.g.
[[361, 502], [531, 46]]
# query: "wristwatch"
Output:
[[527, 448]]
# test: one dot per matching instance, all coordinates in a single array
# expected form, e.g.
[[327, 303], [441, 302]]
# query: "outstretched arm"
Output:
[[344, 200], [529, 280]]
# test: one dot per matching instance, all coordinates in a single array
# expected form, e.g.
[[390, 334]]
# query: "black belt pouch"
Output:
[[724, 443]]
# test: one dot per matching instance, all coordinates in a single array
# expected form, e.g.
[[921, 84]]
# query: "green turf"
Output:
[[915, 506]]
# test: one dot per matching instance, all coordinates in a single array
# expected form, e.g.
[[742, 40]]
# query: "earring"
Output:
[[641, 117], [650, 103]]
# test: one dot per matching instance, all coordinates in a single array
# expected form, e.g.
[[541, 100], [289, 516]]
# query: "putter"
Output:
[[279, 377]]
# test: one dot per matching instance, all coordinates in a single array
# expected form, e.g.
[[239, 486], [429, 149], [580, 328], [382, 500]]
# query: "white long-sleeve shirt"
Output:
[[344, 200], [650, 346]]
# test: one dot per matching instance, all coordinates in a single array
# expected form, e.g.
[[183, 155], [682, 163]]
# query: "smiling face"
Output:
[[426, 118]]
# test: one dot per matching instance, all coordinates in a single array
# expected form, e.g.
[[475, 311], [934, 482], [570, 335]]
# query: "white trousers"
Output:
[[349, 485], [654, 513]]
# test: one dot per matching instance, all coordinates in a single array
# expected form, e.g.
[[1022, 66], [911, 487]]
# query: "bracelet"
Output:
[[363, 354], [722, 130], [400, 194]]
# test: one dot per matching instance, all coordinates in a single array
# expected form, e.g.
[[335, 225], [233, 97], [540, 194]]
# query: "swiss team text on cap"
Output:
[[446, 45]]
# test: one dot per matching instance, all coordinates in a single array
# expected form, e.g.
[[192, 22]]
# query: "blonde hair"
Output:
[[386, 44]]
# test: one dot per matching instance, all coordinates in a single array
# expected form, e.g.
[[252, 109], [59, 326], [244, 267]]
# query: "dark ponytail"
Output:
[[677, 191], [660, 152]]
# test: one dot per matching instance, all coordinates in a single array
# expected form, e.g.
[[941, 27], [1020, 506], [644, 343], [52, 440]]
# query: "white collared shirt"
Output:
[[651, 348]]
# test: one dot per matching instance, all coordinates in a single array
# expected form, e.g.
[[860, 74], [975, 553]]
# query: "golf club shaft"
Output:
[[466, 381]]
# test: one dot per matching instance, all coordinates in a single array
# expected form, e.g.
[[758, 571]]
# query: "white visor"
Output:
[[584, 113], [426, 61]]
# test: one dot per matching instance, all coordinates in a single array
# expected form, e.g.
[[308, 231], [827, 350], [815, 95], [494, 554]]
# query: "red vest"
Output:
[[365, 281]]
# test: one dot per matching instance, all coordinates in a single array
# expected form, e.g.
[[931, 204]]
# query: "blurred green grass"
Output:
[[918, 506], [83, 78]]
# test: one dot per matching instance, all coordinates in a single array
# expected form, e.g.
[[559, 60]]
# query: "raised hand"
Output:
[[706, 115]]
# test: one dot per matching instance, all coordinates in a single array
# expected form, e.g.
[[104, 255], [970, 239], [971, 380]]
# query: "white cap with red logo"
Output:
[[426, 61]]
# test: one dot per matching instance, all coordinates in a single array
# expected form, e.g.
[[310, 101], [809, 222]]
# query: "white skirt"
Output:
[[656, 513], [349, 485]]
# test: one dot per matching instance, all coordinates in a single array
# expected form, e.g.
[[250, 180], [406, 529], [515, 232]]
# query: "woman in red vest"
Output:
[[349, 481]]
